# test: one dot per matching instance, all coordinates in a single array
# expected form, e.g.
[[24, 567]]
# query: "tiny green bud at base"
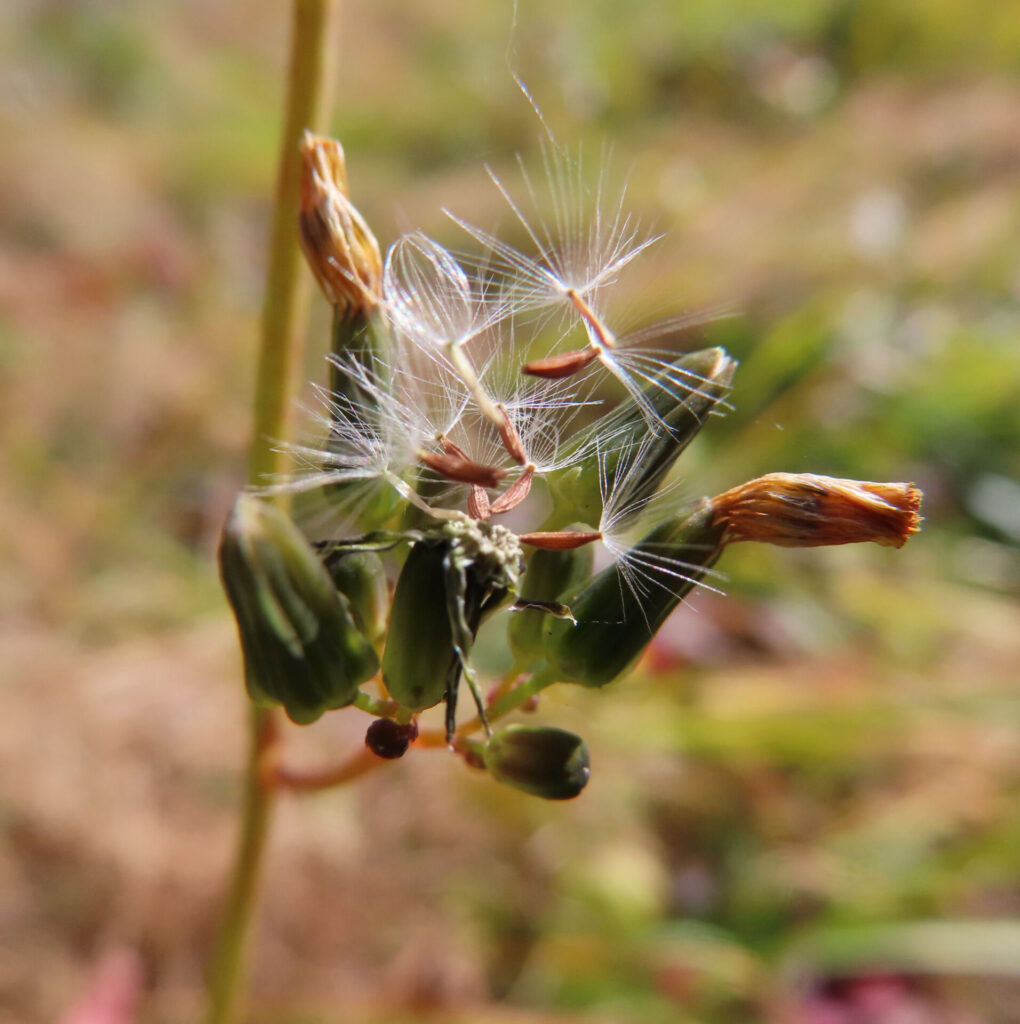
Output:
[[619, 611], [301, 646], [541, 760]]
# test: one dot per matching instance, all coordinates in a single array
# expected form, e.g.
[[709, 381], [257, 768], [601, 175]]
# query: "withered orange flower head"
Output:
[[341, 248], [805, 510]]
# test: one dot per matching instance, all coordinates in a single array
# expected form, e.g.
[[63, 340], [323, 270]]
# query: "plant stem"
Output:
[[227, 967], [508, 701], [519, 695], [284, 309], [284, 316], [315, 780]]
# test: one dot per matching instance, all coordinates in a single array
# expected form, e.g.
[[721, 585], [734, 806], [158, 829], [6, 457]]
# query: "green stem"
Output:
[[284, 317], [227, 967], [377, 707], [519, 695], [284, 309]]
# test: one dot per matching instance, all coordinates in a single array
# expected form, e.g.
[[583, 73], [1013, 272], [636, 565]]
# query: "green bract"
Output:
[[361, 577], [301, 646], [619, 611], [419, 657], [549, 575], [449, 583]]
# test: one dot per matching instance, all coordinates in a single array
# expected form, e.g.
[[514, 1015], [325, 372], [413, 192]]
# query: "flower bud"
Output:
[[419, 657], [684, 393], [301, 646], [361, 577], [803, 510], [549, 575], [340, 247], [619, 611], [540, 760]]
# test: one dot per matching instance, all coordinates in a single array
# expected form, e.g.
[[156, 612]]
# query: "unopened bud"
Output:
[[619, 611], [803, 510], [540, 760], [340, 247], [361, 577], [301, 646], [419, 657]]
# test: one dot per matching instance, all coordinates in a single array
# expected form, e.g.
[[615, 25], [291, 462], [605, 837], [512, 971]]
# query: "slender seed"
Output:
[[511, 438], [566, 364], [597, 329], [461, 470], [559, 540], [452, 448], [514, 494], [462, 364], [478, 503]]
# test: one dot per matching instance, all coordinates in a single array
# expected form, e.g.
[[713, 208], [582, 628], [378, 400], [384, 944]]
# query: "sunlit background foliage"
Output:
[[804, 805]]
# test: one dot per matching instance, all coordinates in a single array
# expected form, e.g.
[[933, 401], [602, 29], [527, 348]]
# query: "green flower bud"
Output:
[[549, 575], [701, 379], [359, 336], [357, 373], [361, 578], [301, 646], [419, 657], [540, 760], [618, 613]]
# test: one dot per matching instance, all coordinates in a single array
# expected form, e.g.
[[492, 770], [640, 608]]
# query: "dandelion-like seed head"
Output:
[[458, 382], [578, 254]]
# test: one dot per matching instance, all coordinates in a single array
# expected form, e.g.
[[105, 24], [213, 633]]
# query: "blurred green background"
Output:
[[804, 806]]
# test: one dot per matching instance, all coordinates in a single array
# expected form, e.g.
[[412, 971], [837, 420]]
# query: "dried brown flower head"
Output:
[[341, 249], [804, 510]]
